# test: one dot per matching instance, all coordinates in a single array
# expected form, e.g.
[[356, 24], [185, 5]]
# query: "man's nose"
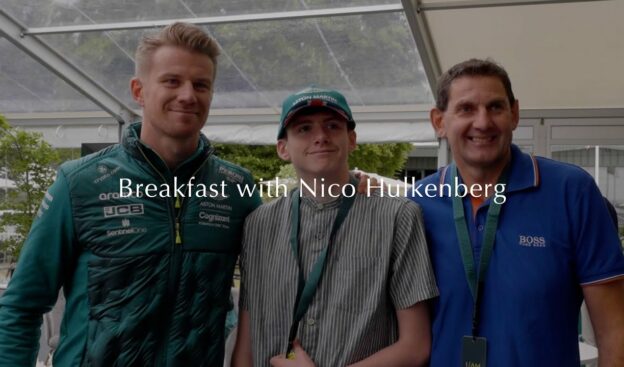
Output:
[[186, 93], [482, 118], [321, 135]]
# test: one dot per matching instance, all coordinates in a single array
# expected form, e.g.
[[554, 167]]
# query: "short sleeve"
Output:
[[412, 278], [598, 249]]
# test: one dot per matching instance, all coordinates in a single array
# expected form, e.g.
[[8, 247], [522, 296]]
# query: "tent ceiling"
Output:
[[52, 13], [564, 55], [25, 85], [560, 56]]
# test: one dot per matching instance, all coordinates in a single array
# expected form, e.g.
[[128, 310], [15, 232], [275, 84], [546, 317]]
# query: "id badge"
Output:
[[473, 351]]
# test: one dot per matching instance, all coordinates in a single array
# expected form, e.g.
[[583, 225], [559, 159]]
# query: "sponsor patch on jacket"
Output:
[[125, 229], [214, 220], [231, 175], [106, 173], [123, 210]]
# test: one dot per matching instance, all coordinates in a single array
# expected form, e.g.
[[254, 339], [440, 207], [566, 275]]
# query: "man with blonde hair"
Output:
[[144, 256]]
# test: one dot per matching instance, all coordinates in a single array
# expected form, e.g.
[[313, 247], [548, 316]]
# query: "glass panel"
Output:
[[528, 149], [34, 13], [610, 172], [27, 86], [42, 13], [372, 59], [47, 13], [106, 57], [204, 8]]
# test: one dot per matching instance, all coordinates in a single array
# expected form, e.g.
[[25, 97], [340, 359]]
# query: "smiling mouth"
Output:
[[185, 112], [322, 152], [481, 139]]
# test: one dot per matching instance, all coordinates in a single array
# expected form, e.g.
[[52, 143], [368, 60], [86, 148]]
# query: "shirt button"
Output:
[[480, 228], [311, 322]]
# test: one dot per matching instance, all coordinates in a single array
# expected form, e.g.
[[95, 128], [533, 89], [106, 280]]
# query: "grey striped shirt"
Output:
[[379, 262]]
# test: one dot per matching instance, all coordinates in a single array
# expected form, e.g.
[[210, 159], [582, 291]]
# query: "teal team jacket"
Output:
[[147, 279]]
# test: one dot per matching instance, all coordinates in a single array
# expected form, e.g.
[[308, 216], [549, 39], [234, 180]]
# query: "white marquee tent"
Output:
[[65, 64]]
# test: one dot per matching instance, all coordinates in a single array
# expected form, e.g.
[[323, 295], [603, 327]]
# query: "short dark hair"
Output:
[[314, 110], [472, 67]]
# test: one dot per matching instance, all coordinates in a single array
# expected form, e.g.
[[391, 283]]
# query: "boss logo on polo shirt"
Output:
[[531, 241]]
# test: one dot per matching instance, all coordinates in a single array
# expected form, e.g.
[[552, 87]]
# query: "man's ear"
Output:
[[352, 140], [282, 150], [437, 121], [136, 88], [515, 114]]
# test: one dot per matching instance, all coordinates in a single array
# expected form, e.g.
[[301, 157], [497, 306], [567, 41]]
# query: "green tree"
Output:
[[261, 160], [383, 159], [264, 164], [287, 172], [67, 154], [28, 161]]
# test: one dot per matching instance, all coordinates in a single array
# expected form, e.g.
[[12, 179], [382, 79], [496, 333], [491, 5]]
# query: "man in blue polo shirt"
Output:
[[523, 258]]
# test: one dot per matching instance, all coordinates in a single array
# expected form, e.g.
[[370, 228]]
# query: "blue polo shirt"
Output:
[[554, 235]]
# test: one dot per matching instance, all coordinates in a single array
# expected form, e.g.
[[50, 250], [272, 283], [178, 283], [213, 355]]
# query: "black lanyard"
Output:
[[307, 289], [475, 282]]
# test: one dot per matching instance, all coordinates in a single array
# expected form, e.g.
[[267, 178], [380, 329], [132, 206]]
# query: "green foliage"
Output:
[[264, 164], [287, 176], [68, 154], [287, 171], [261, 160], [383, 159], [28, 161]]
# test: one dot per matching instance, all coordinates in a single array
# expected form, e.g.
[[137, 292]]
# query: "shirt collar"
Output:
[[524, 172], [330, 204]]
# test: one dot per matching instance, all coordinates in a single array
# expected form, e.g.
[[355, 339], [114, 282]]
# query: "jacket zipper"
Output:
[[176, 258]]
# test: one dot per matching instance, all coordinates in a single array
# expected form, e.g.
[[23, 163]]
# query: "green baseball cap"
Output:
[[314, 97]]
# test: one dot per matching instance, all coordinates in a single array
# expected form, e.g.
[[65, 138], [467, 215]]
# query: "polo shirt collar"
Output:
[[524, 172]]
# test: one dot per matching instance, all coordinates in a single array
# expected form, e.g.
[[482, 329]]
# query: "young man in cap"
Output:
[[514, 270], [343, 274]]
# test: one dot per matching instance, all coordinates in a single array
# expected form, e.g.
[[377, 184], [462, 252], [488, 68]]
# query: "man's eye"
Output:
[[202, 86], [496, 107], [334, 125], [170, 82]]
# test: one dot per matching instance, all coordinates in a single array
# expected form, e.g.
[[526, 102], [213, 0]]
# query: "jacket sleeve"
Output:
[[44, 263]]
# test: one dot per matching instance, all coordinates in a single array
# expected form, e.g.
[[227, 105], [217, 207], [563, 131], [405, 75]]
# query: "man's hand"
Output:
[[302, 359], [366, 182]]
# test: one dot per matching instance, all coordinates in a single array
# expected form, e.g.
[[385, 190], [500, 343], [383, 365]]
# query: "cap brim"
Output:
[[295, 111]]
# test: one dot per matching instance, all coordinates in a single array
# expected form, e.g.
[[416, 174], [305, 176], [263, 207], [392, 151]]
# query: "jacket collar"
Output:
[[133, 145]]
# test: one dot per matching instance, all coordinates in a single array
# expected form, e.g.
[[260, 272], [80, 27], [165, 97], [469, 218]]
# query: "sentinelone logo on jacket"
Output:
[[317, 188]]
